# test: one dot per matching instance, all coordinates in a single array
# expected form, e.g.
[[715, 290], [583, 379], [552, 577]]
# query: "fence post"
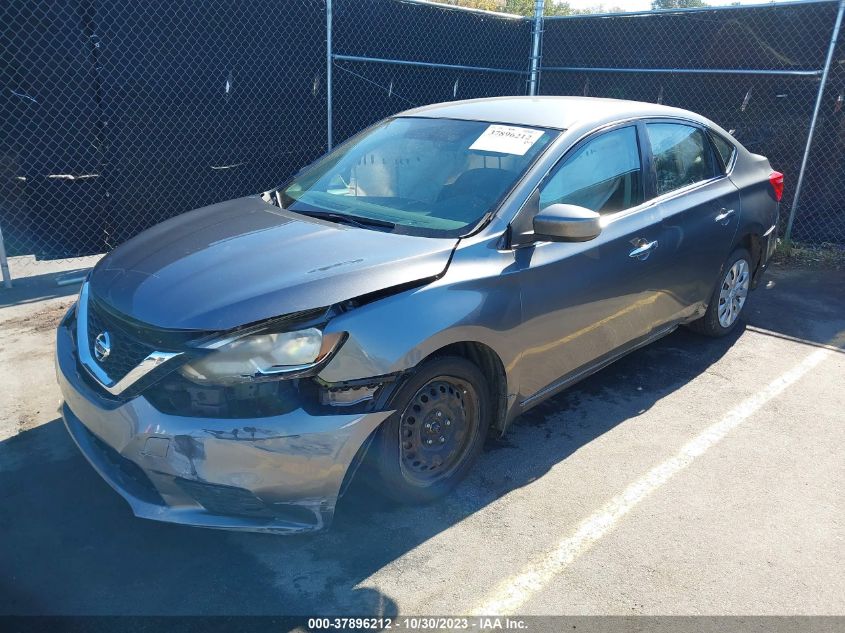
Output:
[[329, 125], [4, 263], [831, 49], [536, 34]]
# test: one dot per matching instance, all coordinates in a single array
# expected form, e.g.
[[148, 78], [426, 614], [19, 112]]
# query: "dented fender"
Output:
[[476, 300]]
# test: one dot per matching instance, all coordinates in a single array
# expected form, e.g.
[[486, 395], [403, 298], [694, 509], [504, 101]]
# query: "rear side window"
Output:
[[725, 149], [602, 175], [682, 155]]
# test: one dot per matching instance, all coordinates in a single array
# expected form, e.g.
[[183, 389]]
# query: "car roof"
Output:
[[552, 112]]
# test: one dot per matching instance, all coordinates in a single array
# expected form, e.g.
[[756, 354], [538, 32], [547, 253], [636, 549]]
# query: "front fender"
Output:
[[477, 300]]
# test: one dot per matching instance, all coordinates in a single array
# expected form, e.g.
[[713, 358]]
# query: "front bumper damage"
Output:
[[282, 473]]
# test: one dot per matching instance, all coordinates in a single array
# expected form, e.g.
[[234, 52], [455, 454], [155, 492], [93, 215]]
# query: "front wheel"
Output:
[[728, 298], [430, 443]]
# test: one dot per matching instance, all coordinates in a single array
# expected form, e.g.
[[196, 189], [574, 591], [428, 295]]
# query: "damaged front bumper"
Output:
[[282, 473]]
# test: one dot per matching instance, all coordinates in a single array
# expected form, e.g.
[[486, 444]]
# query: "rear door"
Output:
[[699, 208]]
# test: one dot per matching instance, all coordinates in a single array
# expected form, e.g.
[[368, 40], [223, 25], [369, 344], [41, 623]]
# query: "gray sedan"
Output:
[[410, 292]]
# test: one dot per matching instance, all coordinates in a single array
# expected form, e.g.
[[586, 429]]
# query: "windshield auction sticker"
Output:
[[506, 139]]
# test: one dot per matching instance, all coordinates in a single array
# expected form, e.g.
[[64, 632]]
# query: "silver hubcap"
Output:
[[733, 292]]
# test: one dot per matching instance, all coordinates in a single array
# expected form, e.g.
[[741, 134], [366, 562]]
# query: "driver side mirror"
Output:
[[566, 223]]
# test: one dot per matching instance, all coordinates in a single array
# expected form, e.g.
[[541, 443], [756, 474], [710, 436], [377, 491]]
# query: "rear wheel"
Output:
[[430, 443], [728, 298]]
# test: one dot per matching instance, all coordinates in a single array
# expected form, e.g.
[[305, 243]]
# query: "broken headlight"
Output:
[[262, 356]]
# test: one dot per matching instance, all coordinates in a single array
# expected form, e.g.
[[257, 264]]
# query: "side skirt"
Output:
[[588, 370]]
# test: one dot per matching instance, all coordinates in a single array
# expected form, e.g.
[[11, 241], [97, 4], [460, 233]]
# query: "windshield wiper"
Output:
[[354, 220]]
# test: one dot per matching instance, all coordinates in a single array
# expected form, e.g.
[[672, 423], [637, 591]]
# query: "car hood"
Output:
[[246, 260]]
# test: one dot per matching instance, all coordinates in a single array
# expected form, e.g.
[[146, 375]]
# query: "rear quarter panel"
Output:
[[759, 209]]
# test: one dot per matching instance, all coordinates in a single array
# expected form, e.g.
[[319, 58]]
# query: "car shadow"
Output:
[[71, 546], [42, 287]]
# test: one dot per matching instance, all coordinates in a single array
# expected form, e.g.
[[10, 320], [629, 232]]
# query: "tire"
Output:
[[726, 304], [429, 445]]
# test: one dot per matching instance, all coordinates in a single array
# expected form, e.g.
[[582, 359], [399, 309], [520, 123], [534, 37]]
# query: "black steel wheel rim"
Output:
[[436, 429]]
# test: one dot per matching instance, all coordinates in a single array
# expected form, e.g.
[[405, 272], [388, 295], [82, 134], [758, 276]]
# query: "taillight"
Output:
[[776, 180]]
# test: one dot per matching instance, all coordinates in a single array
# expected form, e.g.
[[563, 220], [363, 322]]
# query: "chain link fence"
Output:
[[820, 216], [754, 70], [117, 115], [391, 56]]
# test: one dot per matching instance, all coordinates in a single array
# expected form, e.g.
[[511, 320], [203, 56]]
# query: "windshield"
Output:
[[433, 177]]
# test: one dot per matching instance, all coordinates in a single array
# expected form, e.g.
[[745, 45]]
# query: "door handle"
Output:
[[724, 216], [643, 251]]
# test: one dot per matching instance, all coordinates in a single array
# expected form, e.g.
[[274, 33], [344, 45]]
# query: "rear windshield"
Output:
[[434, 177]]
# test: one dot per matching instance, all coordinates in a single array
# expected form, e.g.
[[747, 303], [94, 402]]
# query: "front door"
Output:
[[583, 302]]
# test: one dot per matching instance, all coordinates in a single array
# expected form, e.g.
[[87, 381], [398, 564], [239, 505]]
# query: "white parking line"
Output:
[[517, 590]]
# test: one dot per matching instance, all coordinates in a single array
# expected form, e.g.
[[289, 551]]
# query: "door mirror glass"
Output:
[[566, 223]]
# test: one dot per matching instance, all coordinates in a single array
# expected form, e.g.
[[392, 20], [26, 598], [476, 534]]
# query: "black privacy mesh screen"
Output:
[[117, 115]]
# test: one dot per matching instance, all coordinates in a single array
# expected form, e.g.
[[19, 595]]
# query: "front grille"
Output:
[[131, 341], [126, 351]]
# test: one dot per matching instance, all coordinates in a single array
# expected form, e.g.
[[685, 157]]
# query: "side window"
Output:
[[681, 153], [603, 175], [726, 149]]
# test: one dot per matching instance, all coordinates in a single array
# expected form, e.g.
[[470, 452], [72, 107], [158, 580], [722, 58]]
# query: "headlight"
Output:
[[262, 356]]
